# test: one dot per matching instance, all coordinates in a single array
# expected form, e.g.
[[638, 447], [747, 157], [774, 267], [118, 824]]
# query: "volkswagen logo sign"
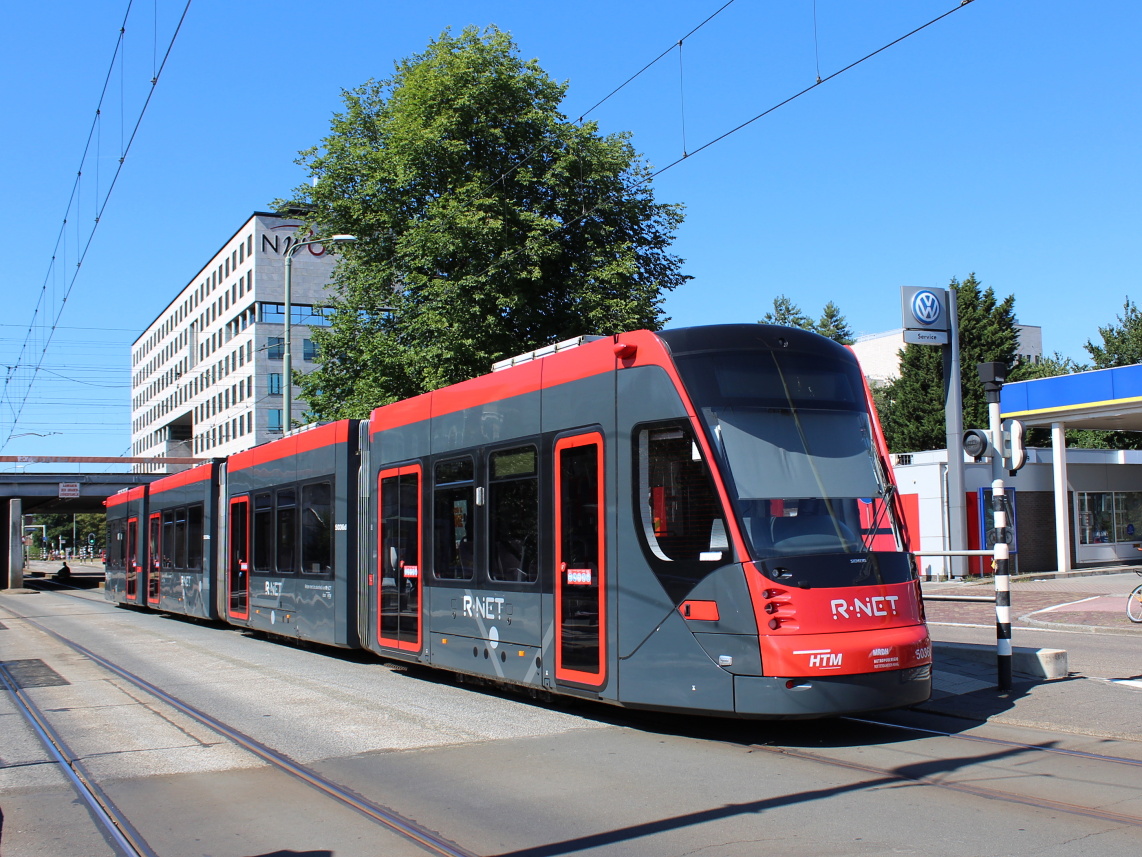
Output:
[[926, 307]]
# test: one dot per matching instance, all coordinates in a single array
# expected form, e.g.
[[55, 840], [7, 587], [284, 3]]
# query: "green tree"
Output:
[[787, 313], [912, 406], [1121, 343], [831, 324], [834, 325], [486, 221], [75, 533]]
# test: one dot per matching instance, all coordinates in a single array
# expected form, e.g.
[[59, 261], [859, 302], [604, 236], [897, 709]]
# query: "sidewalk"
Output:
[[1092, 601]]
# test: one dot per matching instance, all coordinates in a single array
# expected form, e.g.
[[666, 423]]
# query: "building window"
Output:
[[275, 348], [274, 419], [274, 383], [1108, 517], [308, 349]]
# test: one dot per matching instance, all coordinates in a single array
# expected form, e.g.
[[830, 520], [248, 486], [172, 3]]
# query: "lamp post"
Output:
[[287, 370]]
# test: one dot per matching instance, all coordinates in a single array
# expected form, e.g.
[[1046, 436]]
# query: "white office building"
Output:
[[879, 353], [206, 376]]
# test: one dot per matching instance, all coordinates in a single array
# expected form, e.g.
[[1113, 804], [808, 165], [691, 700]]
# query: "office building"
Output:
[[206, 375]]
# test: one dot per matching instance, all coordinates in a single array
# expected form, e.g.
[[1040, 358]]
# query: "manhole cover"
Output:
[[34, 673]]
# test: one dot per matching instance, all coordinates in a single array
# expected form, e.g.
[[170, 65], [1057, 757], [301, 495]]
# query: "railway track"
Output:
[[1001, 768], [114, 820]]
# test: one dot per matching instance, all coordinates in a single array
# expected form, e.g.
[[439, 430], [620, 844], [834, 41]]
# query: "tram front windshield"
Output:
[[795, 436]]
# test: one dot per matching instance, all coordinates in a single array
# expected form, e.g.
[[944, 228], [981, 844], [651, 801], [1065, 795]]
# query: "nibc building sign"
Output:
[[279, 239], [924, 314]]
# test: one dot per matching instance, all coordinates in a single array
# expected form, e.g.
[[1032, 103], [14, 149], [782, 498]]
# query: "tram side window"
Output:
[[194, 534], [681, 516], [179, 550], [513, 515], [316, 528], [263, 546], [454, 506], [167, 541], [117, 535], [286, 530]]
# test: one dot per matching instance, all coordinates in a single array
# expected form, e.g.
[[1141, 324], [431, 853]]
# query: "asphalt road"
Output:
[[503, 776]]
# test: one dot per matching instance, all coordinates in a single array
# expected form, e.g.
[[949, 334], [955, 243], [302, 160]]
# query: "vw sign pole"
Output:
[[930, 318]]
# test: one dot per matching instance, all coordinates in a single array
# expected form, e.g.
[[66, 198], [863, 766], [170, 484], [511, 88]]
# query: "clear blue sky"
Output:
[[1004, 140]]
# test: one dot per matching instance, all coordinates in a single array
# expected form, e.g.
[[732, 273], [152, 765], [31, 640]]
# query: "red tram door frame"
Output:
[[131, 566], [399, 504], [580, 560], [154, 557], [238, 559]]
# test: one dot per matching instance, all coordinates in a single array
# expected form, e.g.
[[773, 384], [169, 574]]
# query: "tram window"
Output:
[[681, 516], [513, 515], [179, 549], [194, 533], [263, 547], [286, 530], [454, 504], [316, 528], [116, 538], [168, 540]]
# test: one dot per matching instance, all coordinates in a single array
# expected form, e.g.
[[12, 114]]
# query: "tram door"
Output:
[[131, 566], [399, 547], [238, 559], [580, 551], [154, 557]]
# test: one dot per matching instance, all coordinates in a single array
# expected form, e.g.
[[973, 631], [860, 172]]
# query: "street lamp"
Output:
[[287, 370]]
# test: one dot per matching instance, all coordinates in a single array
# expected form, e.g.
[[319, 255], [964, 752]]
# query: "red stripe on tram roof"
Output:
[[320, 437], [574, 364], [201, 473]]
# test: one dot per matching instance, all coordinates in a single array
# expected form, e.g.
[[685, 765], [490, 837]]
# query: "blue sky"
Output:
[[1003, 140]]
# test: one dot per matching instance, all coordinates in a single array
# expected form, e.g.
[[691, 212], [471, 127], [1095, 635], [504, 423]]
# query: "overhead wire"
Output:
[[101, 206], [651, 175]]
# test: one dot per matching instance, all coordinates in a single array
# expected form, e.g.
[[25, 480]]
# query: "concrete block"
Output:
[[1040, 663]]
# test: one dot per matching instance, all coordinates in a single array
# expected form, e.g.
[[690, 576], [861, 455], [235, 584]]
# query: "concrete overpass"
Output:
[[55, 493]]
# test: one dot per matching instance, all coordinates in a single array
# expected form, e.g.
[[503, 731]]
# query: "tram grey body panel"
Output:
[[319, 607]]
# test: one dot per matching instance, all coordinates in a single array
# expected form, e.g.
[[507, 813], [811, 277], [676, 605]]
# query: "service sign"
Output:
[[924, 314]]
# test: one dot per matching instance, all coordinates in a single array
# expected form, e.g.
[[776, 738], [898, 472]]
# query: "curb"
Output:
[[1046, 664]]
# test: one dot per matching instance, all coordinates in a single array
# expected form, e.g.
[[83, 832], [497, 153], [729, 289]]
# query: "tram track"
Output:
[[107, 815], [938, 767], [115, 822]]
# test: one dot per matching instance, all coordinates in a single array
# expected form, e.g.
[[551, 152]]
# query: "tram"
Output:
[[697, 520]]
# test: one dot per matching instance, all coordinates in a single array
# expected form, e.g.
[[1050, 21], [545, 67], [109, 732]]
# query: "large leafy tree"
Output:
[[487, 225], [912, 406], [831, 324]]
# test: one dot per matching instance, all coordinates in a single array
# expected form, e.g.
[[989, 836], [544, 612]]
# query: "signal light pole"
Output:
[[993, 375]]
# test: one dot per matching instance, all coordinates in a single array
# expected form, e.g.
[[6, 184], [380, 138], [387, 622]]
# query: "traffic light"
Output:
[[977, 444], [1015, 454]]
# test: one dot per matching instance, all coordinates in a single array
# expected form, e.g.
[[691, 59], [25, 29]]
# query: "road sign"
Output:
[[68, 490]]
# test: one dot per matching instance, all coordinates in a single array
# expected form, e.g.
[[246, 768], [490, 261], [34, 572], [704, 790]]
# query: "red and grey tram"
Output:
[[699, 520]]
